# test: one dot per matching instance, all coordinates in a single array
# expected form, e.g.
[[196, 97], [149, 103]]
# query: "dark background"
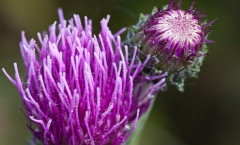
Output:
[[207, 113]]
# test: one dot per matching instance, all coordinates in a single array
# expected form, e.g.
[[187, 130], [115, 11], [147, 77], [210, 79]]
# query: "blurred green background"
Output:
[[207, 113]]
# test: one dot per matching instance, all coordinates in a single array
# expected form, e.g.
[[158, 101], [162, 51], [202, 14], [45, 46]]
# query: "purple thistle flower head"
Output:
[[82, 89], [176, 36]]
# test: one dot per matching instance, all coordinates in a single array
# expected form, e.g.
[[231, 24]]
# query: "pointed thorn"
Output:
[[179, 4], [208, 41], [191, 7], [208, 24], [171, 4], [202, 16]]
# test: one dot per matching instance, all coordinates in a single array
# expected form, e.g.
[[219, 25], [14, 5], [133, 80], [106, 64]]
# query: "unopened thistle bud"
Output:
[[175, 38]]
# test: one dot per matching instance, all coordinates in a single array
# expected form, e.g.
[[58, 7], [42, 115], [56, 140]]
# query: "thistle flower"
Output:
[[80, 88], [175, 36]]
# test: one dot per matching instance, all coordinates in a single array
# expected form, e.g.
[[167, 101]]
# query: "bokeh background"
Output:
[[207, 113]]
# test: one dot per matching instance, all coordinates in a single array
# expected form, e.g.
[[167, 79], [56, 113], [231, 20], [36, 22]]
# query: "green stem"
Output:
[[135, 138]]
